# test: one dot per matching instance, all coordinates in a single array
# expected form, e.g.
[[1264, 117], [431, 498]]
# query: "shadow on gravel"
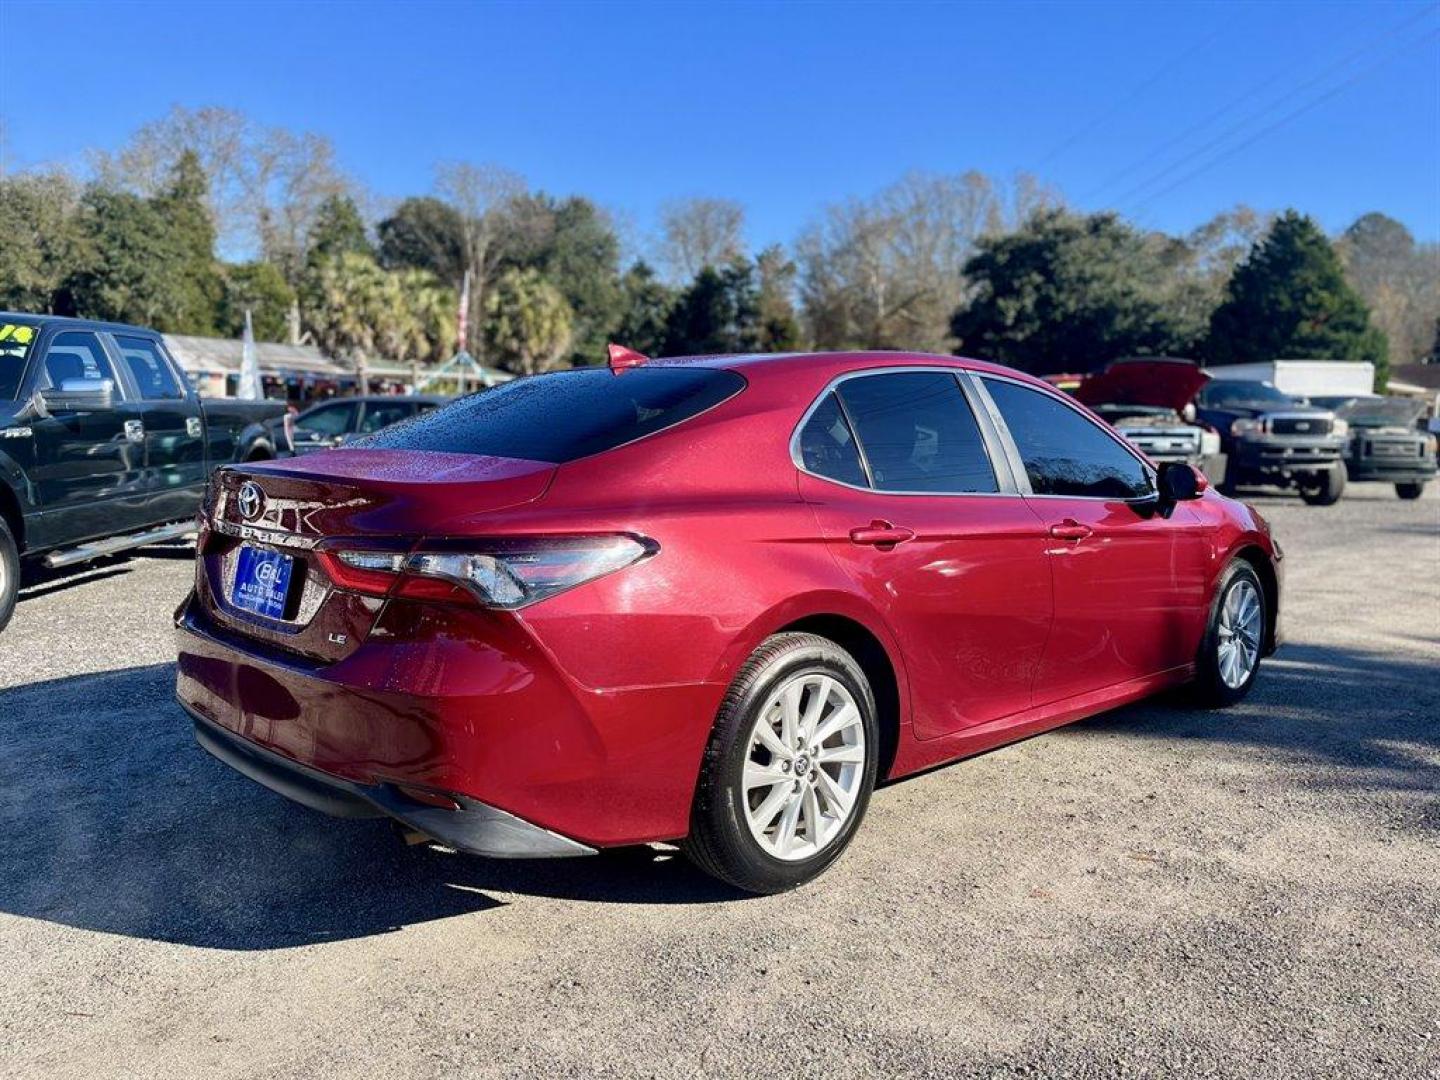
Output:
[[38, 580], [1371, 714], [114, 820]]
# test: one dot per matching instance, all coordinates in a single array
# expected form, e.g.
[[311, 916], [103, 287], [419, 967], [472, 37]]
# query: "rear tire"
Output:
[[9, 573], [1327, 493], [775, 806], [1411, 489], [1234, 639]]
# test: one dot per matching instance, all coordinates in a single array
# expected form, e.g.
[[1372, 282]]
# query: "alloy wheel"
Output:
[[804, 766], [1239, 633]]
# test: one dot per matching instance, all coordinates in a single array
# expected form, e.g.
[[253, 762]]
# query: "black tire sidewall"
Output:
[[1213, 688], [720, 810], [1331, 487], [1411, 489], [9, 574]]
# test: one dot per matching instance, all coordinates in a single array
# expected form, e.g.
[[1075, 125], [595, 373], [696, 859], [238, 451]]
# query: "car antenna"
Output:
[[622, 358]]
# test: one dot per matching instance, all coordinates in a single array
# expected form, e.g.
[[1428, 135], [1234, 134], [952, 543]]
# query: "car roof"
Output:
[[74, 324], [838, 363]]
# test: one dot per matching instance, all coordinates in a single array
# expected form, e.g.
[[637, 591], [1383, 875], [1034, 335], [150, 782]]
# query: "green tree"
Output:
[[362, 312], [646, 305], [779, 327], [189, 232], [338, 230], [527, 322], [127, 274], [718, 313], [572, 245], [1069, 293], [260, 288], [424, 234], [1289, 300], [44, 242]]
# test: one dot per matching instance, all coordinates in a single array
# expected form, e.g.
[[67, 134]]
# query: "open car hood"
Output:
[[1169, 384]]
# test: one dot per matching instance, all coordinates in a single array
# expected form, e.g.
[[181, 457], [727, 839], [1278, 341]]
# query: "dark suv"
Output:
[[1270, 437]]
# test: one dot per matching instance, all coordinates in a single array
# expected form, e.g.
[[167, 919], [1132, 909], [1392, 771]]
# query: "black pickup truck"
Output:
[[1270, 437], [103, 444]]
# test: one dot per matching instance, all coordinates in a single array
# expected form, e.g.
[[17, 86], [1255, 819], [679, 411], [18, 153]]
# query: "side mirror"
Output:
[[79, 395], [1181, 482]]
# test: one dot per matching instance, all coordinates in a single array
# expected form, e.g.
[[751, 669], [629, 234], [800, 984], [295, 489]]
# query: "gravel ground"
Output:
[[1154, 892]]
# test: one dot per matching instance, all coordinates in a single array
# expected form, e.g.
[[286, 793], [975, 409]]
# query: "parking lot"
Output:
[[1157, 891]]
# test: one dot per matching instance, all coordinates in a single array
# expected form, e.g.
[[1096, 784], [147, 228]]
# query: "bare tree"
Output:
[[481, 195], [887, 272], [266, 184], [700, 232], [1399, 280], [289, 176]]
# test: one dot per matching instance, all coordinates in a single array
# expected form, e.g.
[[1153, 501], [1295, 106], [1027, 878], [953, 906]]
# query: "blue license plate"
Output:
[[262, 582]]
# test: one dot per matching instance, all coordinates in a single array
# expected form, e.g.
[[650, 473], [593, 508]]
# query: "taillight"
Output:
[[505, 573]]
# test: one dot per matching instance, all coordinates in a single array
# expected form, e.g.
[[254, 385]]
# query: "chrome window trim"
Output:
[[1017, 461], [958, 373]]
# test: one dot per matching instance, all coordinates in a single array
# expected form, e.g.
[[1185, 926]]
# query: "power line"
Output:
[[1258, 114], [1166, 71], [1294, 114], [1193, 129]]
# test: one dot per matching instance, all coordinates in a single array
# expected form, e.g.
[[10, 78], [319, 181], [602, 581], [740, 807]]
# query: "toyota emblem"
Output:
[[251, 501]]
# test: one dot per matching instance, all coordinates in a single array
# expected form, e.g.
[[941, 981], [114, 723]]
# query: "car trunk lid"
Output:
[[289, 512]]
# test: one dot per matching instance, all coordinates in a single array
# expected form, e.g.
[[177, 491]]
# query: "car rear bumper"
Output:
[[472, 826], [534, 760]]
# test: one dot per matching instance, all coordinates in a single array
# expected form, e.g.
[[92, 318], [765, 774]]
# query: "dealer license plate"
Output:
[[262, 582]]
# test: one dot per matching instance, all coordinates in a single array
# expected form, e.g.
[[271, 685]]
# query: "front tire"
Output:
[[1327, 491], [1235, 637], [9, 573], [789, 769], [1410, 489]]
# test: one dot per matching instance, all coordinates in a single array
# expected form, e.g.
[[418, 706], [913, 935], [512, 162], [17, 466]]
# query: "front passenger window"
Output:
[[1065, 453], [76, 355]]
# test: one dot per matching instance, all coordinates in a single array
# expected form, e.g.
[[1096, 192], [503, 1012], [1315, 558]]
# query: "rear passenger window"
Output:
[[1064, 452], [149, 369], [74, 356], [827, 446], [917, 433]]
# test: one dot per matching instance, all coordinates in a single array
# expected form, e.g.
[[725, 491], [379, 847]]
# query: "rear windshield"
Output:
[[15, 342], [562, 415]]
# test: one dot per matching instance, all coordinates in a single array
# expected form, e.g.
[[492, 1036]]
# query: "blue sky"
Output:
[[783, 107]]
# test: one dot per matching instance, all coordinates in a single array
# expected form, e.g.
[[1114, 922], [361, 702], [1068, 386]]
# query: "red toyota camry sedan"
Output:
[[711, 600]]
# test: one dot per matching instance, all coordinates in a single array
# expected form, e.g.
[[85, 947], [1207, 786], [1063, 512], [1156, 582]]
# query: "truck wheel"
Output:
[[789, 769], [1326, 491], [1411, 489], [9, 573]]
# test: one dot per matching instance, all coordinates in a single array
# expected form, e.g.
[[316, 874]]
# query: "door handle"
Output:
[[135, 430], [881, 534], [1070, 529]]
